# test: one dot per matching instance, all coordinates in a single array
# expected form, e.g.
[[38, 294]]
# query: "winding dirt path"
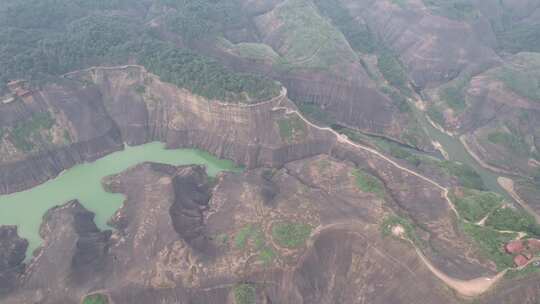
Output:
[[468, 288], [472, 287]]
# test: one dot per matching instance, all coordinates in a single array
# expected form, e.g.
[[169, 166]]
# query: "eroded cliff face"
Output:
[[497, 114], [12, 252], [425, 39], [72, 255], [231, 237], [248, 134], [93, 112], [308, 55], [51, 130]]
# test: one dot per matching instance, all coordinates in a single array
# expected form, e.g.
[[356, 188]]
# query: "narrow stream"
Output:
[[457, 152]]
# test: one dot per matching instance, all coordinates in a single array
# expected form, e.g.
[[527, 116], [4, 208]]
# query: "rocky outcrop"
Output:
[[99, 109], [72, 257], [499, 119], [425, 40], [12, 254], [329, 75], [247, 134], [81, 131], [181, 238]]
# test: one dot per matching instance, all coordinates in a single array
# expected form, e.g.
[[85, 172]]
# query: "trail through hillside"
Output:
[[470, 288]]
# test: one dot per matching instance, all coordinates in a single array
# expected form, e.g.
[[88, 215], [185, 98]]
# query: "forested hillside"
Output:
[[42, 39]]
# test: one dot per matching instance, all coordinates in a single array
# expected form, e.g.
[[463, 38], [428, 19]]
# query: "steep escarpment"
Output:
[[50, 130], [91, 113], [423, 36], [308, 232], [251, 135], [302, 234], [308, 54], [12, 249], [73, 255], [497, 112]]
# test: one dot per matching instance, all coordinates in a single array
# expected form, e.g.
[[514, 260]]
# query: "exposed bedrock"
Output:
[[348, 97], [81, 131], [345, 266], [424, 203], [181, 237], [425, 40], [96, 110], [72, 256], [247, 134], [12, 253]]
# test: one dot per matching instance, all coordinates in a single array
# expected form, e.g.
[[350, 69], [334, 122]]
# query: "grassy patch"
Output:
[[398, 152], [392, 70], [399, 100], [436, 115], [245, 294], [23, 132], [67, 137], [525, 272], [267, 255], [390, 147], [314, 111], [368, 183], [242, 237], [96, 299], [517, 37], [291, 128], [255, 236], [465, 174], [509, 140], [491, 243], [453, 94], [256, 51], [523, 82], [513, 220], [358, 35], [311, 40], [291, 235], [474, 205], [454, 98]]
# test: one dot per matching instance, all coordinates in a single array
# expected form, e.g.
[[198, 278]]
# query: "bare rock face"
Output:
[[247, 134], [181, 238], [192, 195], [79, 130], [345, 266], [499, 119], [425, 41], [305, 233], [72, 256], [12, 254], [326, 73], [92, 120]]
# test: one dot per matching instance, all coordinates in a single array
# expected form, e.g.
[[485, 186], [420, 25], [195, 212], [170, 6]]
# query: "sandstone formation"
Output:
[[12, 250], [149, 259]]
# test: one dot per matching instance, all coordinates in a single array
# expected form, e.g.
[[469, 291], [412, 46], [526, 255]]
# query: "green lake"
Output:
[[83, 182]]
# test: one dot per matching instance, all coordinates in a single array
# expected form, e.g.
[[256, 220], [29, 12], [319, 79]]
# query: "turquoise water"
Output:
[[83, 182]]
